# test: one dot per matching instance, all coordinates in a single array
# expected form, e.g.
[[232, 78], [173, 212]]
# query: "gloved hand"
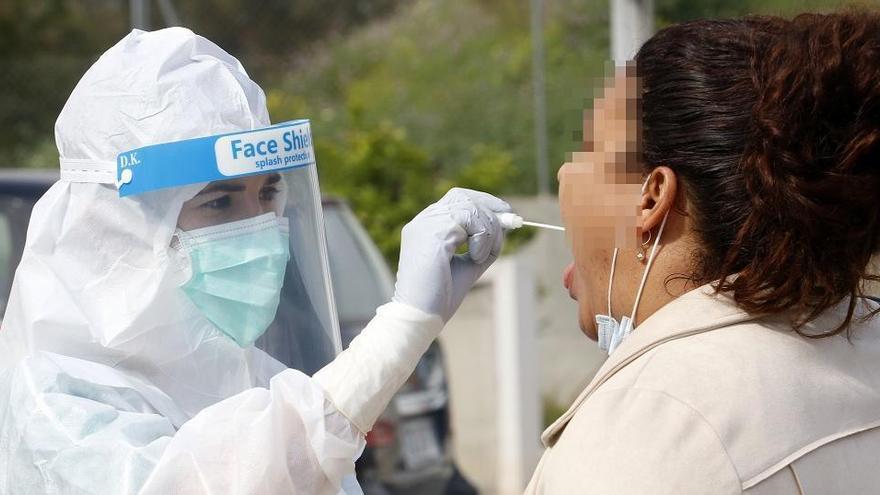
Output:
[[430, 276]]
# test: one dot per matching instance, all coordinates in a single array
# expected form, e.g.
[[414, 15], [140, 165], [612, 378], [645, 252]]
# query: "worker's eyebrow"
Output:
[[236, 186], [222, 187]]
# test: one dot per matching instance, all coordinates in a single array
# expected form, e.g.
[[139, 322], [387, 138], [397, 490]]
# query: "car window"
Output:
[[7, 269], [357, 283], [14, 215]]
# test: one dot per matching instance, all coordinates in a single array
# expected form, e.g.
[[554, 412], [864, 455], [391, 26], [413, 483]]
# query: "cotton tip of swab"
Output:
[[511, 221]]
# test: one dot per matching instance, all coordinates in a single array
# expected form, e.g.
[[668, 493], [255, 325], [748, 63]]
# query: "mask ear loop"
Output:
[[611, 281], [632, 317], [647, 269]]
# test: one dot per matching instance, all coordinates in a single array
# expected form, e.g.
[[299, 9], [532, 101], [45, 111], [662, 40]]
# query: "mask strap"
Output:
[[611, 281], [647, 269]]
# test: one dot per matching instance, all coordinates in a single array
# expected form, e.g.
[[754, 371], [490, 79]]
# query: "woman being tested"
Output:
[[152, 268], [744, 355]]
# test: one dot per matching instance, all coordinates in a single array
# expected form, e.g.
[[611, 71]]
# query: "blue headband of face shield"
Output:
[[224, 156]]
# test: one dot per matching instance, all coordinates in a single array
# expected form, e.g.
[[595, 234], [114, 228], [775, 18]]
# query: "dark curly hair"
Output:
[[773, 127]]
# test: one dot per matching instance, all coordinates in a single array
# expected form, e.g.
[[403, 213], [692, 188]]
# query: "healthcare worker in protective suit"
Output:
[[180, 251]]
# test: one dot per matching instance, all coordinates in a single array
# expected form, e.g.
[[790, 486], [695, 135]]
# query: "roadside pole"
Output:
[[139, 14], [518, 407], [632, 23], [536, 13]]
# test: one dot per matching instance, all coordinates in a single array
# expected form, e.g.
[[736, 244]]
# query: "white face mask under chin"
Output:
[[611, 333]]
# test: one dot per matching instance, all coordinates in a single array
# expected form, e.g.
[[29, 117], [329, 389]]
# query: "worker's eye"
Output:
[[269, 193], [220, 203]]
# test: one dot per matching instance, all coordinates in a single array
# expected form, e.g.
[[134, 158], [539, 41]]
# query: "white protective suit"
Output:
[[111, 382]]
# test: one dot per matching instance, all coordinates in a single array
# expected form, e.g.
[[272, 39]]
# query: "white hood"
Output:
[[96, 280]]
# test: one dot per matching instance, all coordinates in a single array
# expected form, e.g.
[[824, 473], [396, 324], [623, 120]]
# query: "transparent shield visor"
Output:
[[258, 265]]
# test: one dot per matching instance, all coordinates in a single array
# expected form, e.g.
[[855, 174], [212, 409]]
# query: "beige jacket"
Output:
[[704, 399]]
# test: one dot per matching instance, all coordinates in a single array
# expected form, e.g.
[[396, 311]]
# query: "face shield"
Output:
[[249, 245], [182, 253]]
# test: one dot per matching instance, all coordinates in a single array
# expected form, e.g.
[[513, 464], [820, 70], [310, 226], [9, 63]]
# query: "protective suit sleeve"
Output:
[[361, 381], [237, 445], [284, 439], [62, 435]]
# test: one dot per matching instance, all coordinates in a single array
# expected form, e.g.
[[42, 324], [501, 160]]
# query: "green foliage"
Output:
[[551, 410], [671, 11], [457, 76], [269, 34], [407, 99], [384, 174], [47, 45], [386, 179]]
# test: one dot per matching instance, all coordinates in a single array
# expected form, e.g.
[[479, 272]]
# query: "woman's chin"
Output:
[[588, 327]]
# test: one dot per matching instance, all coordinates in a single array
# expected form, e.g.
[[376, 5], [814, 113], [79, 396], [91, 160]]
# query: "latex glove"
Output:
[[430, 276]]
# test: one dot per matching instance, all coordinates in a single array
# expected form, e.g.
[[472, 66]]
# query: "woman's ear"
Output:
[[658, 196]]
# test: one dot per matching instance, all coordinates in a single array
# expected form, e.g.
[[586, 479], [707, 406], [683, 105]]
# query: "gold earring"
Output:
[[641, 254]]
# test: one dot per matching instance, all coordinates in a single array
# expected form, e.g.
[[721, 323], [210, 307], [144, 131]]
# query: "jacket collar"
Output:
[[700, 310]]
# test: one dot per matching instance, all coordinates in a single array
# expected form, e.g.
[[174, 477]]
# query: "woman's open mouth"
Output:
[[568, 280]]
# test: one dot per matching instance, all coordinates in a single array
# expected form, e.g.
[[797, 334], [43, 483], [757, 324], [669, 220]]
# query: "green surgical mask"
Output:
[[237, 273]]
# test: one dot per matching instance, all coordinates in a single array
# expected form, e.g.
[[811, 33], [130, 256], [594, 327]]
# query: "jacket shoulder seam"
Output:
[[801, 452]]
